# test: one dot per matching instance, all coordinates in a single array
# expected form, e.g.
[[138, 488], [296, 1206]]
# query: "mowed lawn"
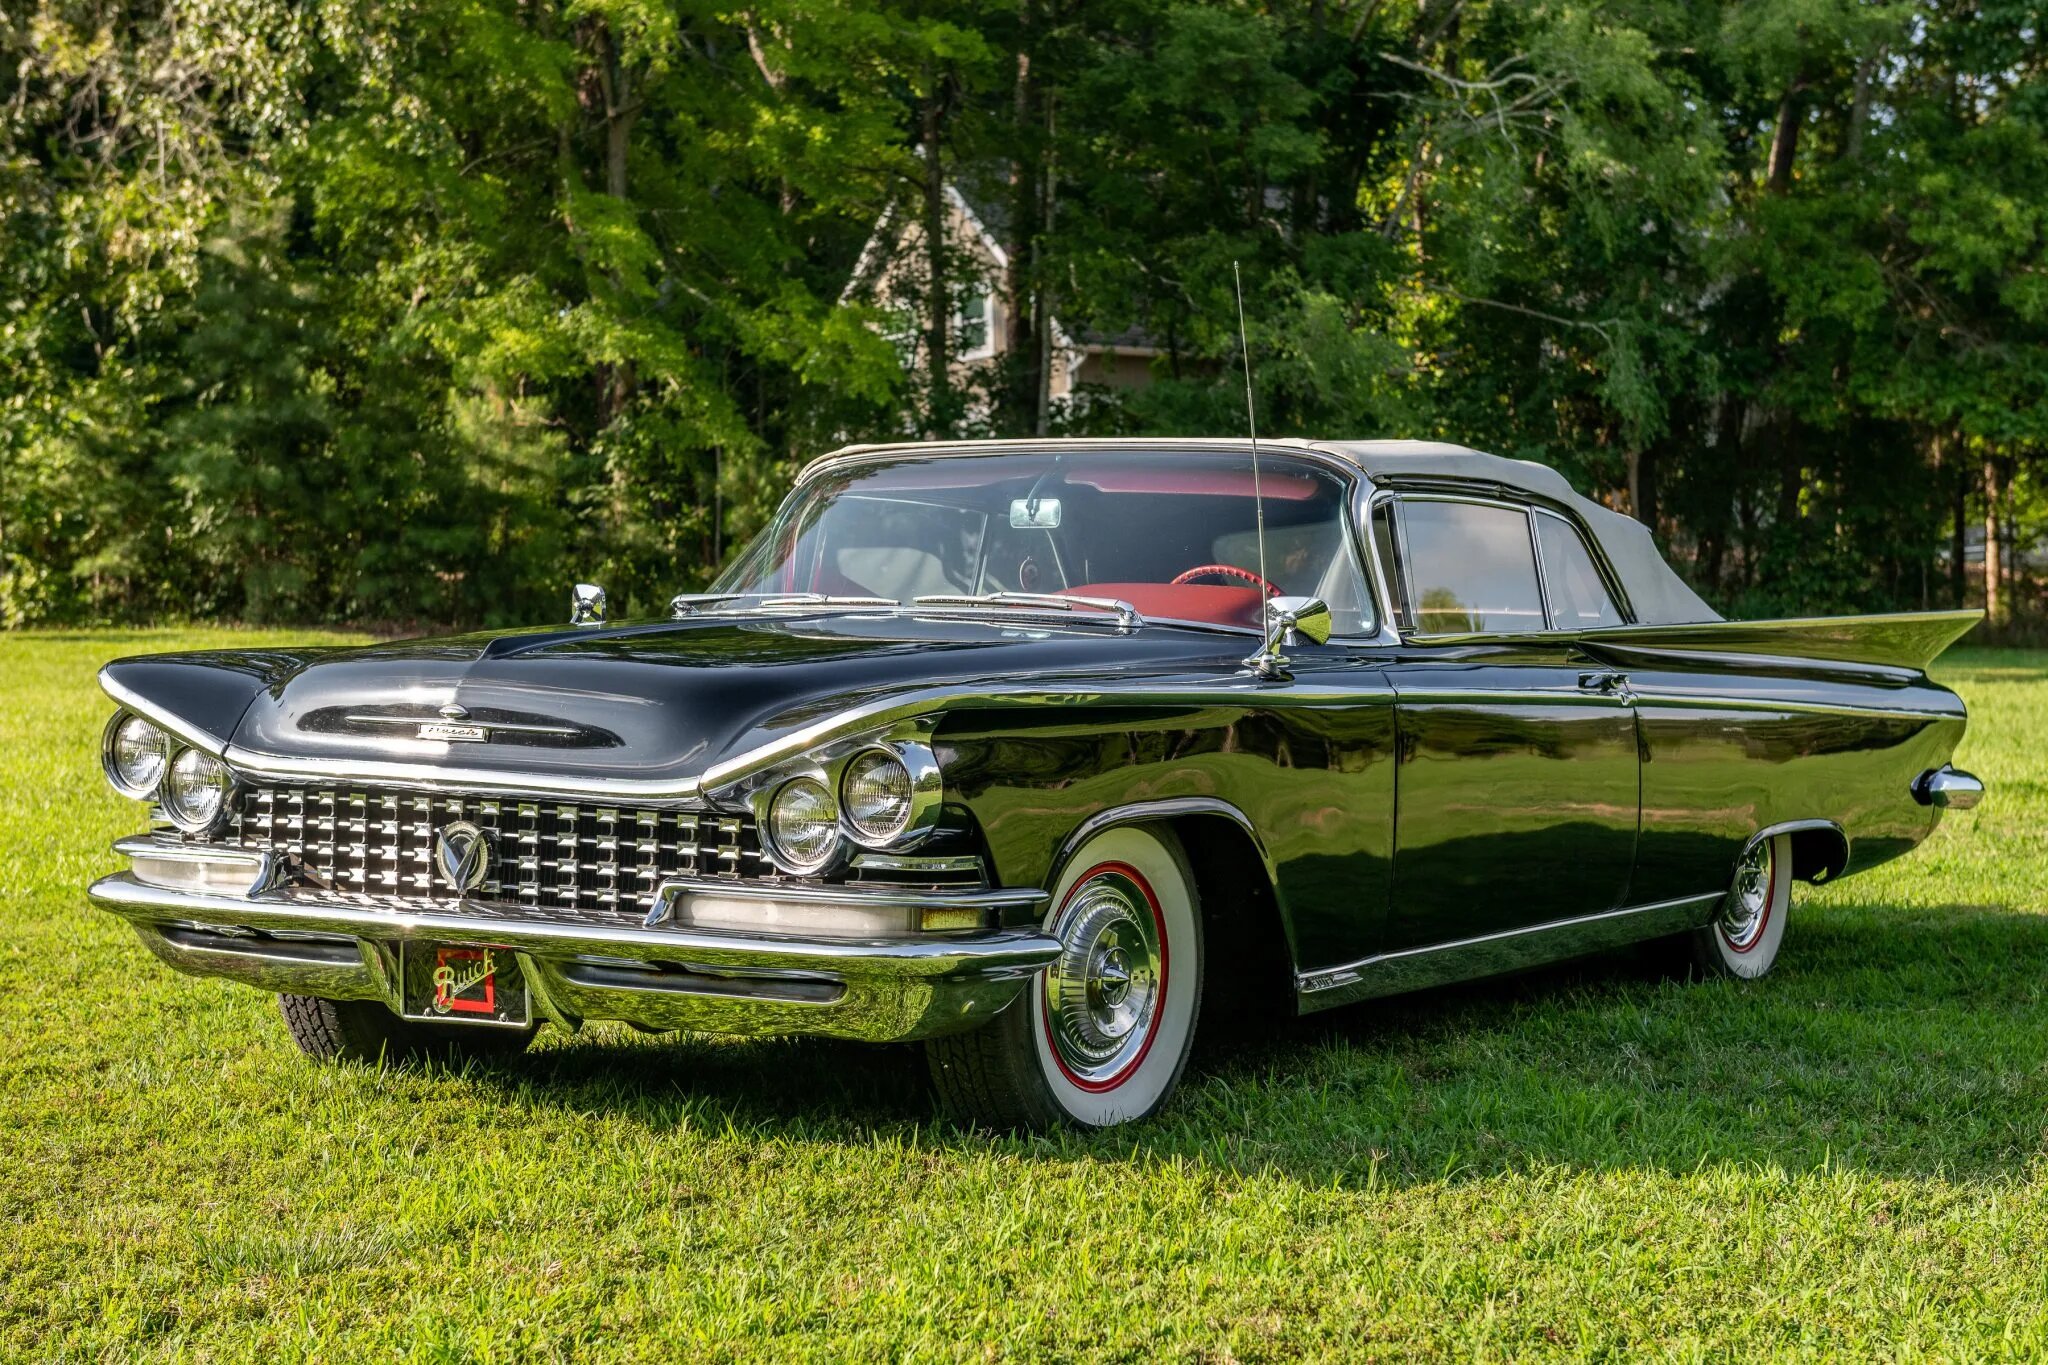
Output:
[[1847, 1158]]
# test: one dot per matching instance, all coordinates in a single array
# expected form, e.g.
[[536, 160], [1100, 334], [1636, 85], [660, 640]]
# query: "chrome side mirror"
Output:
[[1289, 621], [586, 605]]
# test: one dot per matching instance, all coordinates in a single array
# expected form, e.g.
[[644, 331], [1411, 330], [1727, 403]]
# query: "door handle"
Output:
[[1606, 684]]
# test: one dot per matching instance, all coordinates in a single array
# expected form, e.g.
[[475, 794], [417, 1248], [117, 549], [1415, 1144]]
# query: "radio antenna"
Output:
[[1251, 421]]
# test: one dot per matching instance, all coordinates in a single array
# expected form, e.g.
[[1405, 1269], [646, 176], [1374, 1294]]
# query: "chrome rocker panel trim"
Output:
[[664, 977], [1438, 964]]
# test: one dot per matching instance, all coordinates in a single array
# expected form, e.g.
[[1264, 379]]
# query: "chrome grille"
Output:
[[546, 855]]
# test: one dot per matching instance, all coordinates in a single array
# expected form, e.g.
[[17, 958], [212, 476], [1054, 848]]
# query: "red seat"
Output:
[[1219, 604]]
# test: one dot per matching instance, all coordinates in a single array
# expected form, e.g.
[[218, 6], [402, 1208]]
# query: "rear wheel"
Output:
[[365, 1031], [1743, 939], [1102, 1035]]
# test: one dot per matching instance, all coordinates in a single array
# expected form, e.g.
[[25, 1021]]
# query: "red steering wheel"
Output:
[[1225, 571]]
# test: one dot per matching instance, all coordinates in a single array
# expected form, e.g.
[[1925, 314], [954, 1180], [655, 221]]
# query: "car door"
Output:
[[1516, 784]]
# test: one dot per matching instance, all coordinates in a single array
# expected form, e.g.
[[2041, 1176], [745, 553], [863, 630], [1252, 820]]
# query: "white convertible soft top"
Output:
[[1658, 595]]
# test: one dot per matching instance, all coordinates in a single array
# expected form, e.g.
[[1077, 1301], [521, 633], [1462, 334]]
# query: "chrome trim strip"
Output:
[[988, 954], [177, 728], [1165, 808], [852, 897], [1238, 690], [1226, 690], [1025, 604], [1436, 963], [868, 861], [1710, 701], [510, 727], [150, 846]]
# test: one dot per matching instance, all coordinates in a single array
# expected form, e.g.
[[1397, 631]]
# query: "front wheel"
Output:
[[1102, 1035], [365, 1031], [1743, 939]]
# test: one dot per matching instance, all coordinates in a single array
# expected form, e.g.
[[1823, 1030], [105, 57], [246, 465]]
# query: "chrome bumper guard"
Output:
[[1948, 788], [221, 916]]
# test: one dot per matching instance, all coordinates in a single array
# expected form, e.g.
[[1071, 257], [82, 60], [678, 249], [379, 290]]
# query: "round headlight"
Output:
[[803, 825], [134, 756], [196, 792], [875, 792]]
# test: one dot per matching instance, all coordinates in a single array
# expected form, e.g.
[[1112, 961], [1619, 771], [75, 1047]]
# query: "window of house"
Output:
[[1467, 568], [973, 325], [1579, 599]]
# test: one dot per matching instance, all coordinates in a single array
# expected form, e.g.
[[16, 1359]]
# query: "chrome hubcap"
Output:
[[1102, 992], [1748, 907]]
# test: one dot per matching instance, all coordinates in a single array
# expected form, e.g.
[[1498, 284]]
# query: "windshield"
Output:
[[1175, 534]]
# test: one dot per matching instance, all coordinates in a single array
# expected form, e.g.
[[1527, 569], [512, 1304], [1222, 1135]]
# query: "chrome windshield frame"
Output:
[[1358, 490]]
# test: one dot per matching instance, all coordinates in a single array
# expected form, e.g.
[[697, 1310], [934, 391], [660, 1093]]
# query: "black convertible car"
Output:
[[1043, 752]]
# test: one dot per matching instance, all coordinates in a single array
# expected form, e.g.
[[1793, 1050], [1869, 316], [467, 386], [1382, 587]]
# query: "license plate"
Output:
[[462, 983]]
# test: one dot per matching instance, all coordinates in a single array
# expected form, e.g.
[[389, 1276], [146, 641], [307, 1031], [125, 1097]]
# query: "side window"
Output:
[[1579, 599], [1469, 568]]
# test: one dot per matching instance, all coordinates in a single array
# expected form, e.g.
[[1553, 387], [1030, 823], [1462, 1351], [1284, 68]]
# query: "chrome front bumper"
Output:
[[660, 976]]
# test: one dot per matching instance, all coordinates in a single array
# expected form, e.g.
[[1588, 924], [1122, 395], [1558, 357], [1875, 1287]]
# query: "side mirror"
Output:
[[586, 605], [1295, 619], [1289, 621]]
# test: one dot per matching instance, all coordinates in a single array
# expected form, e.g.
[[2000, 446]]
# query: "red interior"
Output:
[[1160, 478], [1221, 604]]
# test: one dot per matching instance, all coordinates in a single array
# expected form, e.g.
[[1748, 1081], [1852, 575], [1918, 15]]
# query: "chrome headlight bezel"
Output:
[[165, 748], [785, 855], [926, 790], [829, 766], [218, 778]]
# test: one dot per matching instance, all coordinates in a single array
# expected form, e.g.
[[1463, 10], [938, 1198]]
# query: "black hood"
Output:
[[656, 704]]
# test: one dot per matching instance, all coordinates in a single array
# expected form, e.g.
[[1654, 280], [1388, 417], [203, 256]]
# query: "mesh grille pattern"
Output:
[[546, 855]]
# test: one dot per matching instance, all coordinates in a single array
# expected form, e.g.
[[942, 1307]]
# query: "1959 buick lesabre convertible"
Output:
[[1045, 753]]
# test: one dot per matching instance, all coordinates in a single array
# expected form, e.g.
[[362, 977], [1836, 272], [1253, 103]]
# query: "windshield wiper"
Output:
[[1126, 614], [691, 603]]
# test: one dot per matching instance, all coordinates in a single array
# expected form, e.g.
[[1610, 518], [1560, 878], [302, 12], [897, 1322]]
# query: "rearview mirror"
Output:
[[1035, 514]]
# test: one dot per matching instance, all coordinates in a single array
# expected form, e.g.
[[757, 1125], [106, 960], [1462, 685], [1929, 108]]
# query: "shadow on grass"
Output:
[[1895, 1042]]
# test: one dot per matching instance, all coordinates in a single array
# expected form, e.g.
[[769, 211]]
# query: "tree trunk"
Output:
[[938, 300], [1642, 486], [1994, 573], [1859, 106], [1785, 142], [1024, 341], [1041, 303], [1959, 536]]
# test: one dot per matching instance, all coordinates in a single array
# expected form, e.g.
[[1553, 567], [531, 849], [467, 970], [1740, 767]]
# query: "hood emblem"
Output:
[[451, 729], [462, 855]]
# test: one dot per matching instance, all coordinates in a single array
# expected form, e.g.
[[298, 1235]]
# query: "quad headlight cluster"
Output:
[[883, 795], [143, 762]]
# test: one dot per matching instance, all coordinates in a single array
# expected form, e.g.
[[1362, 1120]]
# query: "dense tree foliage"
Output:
[[419, 309]]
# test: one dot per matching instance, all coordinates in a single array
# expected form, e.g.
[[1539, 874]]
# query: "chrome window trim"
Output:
[[1530, 509], [1400, 496], [1601, 568]]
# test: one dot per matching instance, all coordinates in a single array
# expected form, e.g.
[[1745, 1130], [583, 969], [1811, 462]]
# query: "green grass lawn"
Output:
[[1847, 1158]]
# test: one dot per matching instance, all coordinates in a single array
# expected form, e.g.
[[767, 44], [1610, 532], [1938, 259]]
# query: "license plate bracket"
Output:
[[462, 983]]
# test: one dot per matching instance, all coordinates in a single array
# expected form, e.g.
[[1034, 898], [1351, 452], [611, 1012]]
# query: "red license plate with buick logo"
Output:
[[462, 983]]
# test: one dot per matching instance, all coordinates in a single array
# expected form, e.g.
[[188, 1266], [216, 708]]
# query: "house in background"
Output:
[[893, 273]]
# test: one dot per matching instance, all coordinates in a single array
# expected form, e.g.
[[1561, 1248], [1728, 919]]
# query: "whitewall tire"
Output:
[[1744, 937], [1102, 1035]]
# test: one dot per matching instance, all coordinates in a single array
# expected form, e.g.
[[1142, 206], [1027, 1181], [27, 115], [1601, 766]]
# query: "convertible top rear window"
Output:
[[1174, 533]]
